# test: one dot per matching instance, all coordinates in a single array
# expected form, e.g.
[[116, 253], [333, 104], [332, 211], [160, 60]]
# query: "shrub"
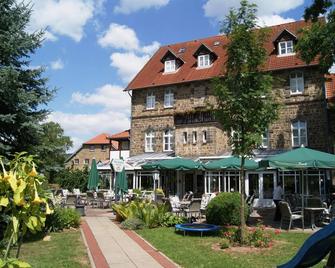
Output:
[[224, 243], [170, 219], [132, 224], [62, 218], [224, 209], [70, 179]]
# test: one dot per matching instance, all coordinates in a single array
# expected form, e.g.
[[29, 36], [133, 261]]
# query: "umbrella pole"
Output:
[[302, 200]]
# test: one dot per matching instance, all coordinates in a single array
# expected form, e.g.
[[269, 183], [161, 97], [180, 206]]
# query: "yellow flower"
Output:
[[37, 199], [33, 172]]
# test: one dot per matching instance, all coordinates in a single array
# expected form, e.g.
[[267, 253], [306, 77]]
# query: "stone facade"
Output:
[[309, 106], [84, 156]]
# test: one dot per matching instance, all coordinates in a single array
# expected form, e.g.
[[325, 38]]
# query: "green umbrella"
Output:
[[121, 183], [177, 163], [231, 163], [301, 158], [93, 177]]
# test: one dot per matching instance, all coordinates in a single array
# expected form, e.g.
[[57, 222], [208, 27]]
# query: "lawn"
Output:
[[194, 251], [65, 249]]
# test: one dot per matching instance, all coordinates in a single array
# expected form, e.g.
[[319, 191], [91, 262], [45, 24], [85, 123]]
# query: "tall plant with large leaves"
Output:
[[23, 204], [23, 90], [245, 102]]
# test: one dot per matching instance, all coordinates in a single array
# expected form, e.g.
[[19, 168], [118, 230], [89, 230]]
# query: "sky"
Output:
[[93, 48]]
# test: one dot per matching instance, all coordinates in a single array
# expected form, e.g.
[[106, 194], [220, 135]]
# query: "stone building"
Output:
[[98, 147], [172, 108]]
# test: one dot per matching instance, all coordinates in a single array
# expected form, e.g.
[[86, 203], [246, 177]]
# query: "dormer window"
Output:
[[285, 47], [169, 66], [204, 61]]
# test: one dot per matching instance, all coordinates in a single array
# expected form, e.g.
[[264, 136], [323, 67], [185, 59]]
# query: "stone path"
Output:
[[118, 249]]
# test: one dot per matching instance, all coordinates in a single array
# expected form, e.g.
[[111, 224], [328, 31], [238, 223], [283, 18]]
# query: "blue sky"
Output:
[[94, 47]]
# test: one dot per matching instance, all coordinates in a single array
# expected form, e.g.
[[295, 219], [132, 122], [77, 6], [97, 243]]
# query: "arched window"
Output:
[[167, 140], [149, 141]]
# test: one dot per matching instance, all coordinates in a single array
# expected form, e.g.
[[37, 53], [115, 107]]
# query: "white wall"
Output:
[[116, 154]]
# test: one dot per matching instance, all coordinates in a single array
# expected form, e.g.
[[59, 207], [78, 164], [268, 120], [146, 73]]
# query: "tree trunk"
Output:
[[243, 224]]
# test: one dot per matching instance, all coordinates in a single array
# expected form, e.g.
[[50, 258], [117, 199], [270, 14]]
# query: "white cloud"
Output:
[[57, 64], [62, 17], [218, 9], [271, 20], [130, 6], [128, 64], [332, 69], [119, 37], [82, 127], [109, 96], [151, 49]]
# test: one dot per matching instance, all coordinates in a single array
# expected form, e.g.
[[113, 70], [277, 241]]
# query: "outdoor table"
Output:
[[184, 204], [312, 210]]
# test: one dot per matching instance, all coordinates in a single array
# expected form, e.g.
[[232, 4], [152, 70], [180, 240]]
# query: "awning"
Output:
[[301, 158], [232, 163], [177, 163]]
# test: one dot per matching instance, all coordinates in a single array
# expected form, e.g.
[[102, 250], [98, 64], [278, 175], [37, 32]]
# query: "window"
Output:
[[169, 66], [167, 140], [299, 133], [265, 139], [184, 137], [86, 161], [76, 161], [204, 136], [92, 148], [151, 101], [149, 141], [168, 98], [103, 148], [296, 82], [203, 61], [194, 137], [285, 47]]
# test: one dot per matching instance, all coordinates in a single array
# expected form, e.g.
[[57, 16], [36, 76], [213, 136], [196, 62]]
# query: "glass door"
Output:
[[254, 185], [268, 185]]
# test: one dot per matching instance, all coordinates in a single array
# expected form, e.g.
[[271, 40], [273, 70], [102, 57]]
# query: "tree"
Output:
[[319, 39], [23, 90], [245, 102], [52, 149]]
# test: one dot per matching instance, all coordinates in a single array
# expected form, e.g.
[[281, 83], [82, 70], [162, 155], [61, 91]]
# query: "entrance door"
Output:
[[188, 183], [268, 185], [254, 185]]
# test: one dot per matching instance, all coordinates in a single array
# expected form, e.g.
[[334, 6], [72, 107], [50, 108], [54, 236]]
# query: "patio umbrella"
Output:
[[300, 159], [121, 183], [177, 163], [232, 162], [93, 177]]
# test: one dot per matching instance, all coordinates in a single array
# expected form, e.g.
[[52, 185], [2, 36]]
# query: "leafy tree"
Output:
[[23, 90], [245, 102], [319, 39], [52, 149], [73, 178]]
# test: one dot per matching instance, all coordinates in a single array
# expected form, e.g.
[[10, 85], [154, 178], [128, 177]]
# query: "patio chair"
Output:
[[71, 200], [193, 209], [205, 199], [101, 200], [91, 200], [76, 191], [175, 204], [288, 216]]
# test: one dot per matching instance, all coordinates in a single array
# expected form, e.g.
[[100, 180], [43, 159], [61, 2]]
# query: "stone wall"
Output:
[[85, 152], [189, 97]]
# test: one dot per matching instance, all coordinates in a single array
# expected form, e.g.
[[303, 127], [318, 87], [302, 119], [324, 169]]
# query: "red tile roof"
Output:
[[121, 136], [330, 87], [152, 74], [102, 139]]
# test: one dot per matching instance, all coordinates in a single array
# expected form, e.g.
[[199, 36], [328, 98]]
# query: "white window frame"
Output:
[[204, 136], [88, 161], [299, 126], [168, 98], [167, 140], [92, 148], [149, 141], [194, 137], [265, 139], [297, 83], [286, 48], [76, 161], [184, 137], [169, 66], [150, 101], [204, 61]]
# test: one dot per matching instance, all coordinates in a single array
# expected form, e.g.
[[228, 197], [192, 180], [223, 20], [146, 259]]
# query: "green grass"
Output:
[[194, 251], [65, 249]]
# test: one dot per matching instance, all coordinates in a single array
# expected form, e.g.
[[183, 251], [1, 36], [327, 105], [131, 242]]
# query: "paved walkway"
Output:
[[117, 247]]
